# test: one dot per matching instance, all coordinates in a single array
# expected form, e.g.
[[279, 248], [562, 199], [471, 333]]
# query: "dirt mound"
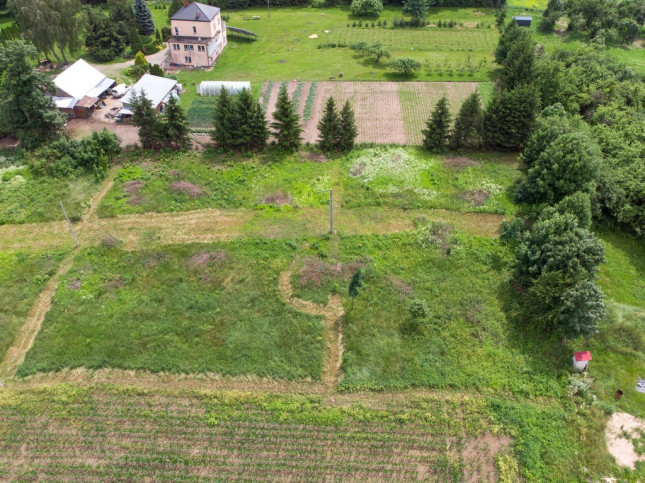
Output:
[[317, 158], [476, 197], [278, 198], [132, 187], [402, 287], [74, 284], [460, 162], [204, 258], [187, 188], [315, 271]]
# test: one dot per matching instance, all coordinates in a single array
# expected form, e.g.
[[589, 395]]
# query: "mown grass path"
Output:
[[25, 338], [333, 314]]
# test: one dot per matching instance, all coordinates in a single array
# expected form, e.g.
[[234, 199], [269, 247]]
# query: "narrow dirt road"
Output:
[[114, 70]]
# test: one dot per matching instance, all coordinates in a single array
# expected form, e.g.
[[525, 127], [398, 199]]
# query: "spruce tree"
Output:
[[259, 127], [145, 118], [286, 125], [509, 117], [135, 42], [437, 133], [244, 112], [145, 23], [224, 120], [329, 126], [175, 123], [347, 128], [469, 124], [518, 67]]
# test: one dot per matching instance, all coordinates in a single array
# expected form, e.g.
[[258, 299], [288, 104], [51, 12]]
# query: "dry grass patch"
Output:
[[278, 199], [460, 162], [204, 258], [476, 197], [315, 272]]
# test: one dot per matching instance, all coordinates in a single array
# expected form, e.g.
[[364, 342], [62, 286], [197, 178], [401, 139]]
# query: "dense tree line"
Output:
[[605, 21]]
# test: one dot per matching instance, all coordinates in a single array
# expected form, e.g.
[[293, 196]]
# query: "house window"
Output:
[[200, 48], [188, 60], [175, 46], [194, 29], [189, 47], [176, 30]]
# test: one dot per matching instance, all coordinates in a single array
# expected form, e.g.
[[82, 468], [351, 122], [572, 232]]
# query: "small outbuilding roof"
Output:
[[81, 79], [156, 88], [64, 102], [523, 18], [196, 12], [582, 356]]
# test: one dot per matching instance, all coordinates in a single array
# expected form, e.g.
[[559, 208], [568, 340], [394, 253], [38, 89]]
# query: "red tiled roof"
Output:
[[582, 356]]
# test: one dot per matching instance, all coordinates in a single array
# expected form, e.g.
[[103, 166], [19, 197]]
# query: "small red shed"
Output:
[[581, 360]]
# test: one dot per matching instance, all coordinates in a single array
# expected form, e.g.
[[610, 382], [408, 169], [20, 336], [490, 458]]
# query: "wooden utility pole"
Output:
[[69, 224]]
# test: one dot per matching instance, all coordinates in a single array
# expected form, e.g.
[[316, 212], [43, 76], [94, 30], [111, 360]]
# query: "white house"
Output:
[[156, 89], [79, 88]]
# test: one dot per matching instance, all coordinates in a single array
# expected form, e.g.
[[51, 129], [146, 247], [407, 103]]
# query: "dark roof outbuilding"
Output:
[[196, 12]]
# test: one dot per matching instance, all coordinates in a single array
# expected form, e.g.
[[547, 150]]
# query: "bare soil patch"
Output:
[[459, 162], [379, 117], [204, 258], [476, 197], [278, 198], [74, 284], [620, 447], [187, 188], [317, 158], [315, 271], [132, 189], [480, 454], [127, 133]]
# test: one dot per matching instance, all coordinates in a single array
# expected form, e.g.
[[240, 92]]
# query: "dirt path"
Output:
[[333, 314], [27, 335], [209, 225]]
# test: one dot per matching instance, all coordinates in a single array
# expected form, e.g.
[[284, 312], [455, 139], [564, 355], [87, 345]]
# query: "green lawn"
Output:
[[5, 18], [284, 50], [189, 308], [22, 277], [25, 198]]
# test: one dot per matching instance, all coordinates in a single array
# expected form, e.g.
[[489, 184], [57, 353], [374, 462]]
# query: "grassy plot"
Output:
[[22, 277], [25, 198], [432, 312], [114, 432], [206, 308], [201, 111], [189, 181], [411, 178], [284, 51], [618, 350]]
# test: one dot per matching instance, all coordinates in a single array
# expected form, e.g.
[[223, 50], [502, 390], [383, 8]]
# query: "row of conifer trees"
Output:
[[240, 123]]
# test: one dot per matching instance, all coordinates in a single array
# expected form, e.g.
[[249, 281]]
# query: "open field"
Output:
[[108, 432], [22, 276], [405, 178], [27, 198], [179, 309]]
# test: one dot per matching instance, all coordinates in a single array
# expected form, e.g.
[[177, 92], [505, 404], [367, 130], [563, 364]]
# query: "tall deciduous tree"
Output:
[[404, 65], [143, 15], [286, 124], [25, 110], [469, 124], [224, 120], [347, 128], [328, 126], [36, 19], [437, 132], [70, 25], [417, 10], [569, 164]]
